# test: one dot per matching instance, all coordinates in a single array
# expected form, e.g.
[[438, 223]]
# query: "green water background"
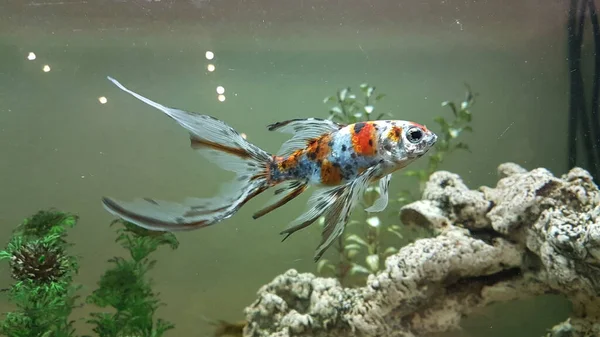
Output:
[[276, 60]]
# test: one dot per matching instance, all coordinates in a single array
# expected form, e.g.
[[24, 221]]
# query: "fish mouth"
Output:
[[432, 140]]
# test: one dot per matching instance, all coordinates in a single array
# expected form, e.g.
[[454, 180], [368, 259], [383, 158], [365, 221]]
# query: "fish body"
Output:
[[339, 160], [339, 157]]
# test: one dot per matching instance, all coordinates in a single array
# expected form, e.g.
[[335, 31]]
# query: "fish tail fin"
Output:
[[220, 144]]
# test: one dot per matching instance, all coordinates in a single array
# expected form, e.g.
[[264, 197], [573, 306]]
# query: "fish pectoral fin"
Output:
[[381, 203], [283, 195], [337, 215], [303, 131]]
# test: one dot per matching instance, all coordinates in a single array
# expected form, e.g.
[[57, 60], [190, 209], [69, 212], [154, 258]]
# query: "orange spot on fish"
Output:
[[290, 162], [319, 148], [330, 174], [394, 134], [364, 138]]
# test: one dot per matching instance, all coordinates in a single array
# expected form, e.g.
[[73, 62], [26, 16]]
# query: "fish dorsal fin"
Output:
[[303, 130]]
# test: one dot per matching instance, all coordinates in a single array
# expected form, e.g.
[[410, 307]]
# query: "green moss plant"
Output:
[[359, 250], [43, 290], [127, 289], [44, 294]]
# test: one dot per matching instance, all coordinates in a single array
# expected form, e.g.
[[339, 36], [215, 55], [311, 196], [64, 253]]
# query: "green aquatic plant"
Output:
[[363, 239], [350, 109], [43, 290], [127, 289], [448, 135]]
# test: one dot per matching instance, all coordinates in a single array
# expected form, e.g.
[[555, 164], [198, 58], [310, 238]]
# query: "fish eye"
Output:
[[414, 135]]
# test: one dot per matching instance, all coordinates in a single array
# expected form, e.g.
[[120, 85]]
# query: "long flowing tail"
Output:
[[222, 145]]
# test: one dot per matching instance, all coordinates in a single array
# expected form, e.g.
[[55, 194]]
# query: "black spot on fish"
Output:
[[344, 148], [358, 127], [336, 164], [370, 142], [353, 156], [330, 144]]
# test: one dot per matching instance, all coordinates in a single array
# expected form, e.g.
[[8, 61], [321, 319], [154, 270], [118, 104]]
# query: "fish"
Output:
[[338, 160]]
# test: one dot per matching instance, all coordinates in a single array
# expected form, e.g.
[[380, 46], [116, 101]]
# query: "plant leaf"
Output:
[[390, 251], [335, 110], [398, 234], [352, 253], [356, 268], [464, 115], [380, 96], [373, 262], [322, 264], [329, 99], [357, 239], [352, 246], [452, 106], [370, 91]]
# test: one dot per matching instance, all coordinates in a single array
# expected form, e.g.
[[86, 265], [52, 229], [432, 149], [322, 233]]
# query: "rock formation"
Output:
[[532, 234]]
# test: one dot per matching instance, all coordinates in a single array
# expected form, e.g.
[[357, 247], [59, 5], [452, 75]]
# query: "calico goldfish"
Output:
[[339, 161]]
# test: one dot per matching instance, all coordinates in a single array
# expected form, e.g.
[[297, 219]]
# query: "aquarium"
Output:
[[299, 168]]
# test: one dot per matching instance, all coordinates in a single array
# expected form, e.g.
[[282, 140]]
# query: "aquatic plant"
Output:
[[366, 236], [126, 287], [43, 291]]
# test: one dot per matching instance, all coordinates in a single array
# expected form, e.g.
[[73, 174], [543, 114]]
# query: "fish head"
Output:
[[417, 140], [405, 141]]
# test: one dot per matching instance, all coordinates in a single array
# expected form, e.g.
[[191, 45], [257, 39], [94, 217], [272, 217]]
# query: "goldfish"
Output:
[[339, 161]]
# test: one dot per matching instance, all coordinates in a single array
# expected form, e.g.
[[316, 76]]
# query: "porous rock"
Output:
[[531, 234]]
